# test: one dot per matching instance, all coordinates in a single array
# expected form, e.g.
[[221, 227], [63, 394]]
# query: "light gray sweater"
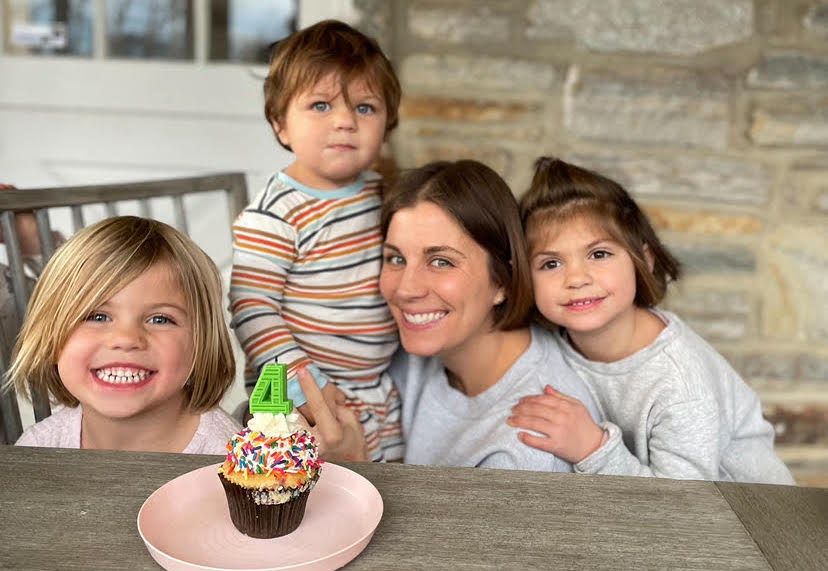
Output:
[[444, 427], [678, 410]]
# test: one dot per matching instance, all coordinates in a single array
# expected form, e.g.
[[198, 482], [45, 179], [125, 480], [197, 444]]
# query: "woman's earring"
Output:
[[500, 298]]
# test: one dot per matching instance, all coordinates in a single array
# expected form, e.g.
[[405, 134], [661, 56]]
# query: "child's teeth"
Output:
[[121, 376]]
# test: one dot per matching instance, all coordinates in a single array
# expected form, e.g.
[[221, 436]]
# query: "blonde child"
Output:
[[675, 407], [307, 251], [125, 329]]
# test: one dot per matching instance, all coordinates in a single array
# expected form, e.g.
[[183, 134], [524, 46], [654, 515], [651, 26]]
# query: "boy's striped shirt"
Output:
[[305, 291]]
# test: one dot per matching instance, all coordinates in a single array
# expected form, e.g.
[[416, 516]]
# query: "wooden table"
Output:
[[76, 509]]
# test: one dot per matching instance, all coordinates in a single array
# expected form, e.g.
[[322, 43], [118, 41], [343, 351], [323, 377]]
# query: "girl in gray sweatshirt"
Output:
[[674, 407]]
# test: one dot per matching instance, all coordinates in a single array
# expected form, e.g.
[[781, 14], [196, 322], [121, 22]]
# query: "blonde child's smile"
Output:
[[122, 375]]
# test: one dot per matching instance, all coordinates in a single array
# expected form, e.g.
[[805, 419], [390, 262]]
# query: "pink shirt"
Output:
[[63, 428]]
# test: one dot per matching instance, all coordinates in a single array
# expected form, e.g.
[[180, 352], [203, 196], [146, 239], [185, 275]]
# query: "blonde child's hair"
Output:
[[94, 265], [562, 191], [302, 59]]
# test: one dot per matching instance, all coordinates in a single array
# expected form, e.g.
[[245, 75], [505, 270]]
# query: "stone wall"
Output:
[[713, 114]]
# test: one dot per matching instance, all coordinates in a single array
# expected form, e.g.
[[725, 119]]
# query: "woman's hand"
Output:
[[571, 434], [337, 428]]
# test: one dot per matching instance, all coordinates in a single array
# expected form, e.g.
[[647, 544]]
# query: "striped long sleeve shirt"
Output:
[[305, 290]]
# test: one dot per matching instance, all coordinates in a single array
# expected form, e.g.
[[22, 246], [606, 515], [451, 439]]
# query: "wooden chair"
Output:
[[111, 196]]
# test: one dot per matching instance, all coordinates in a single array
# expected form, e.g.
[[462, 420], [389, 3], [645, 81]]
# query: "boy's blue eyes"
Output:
[[362, 108]]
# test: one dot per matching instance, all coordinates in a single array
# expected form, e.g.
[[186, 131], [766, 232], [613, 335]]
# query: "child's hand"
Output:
[[338, 429], [332, 396], [571, 434]]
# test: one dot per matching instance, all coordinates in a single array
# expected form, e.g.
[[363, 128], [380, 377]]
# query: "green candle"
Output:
[[270, 392]]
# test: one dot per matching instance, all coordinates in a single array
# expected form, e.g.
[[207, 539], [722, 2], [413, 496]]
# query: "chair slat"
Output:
[[180, 215], [77, 218], [44, 232]]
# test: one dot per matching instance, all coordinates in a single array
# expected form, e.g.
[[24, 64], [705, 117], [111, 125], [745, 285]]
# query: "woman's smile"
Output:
[[424, 318]]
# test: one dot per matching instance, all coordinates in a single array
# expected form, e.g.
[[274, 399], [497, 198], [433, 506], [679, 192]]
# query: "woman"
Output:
[[456, 278]]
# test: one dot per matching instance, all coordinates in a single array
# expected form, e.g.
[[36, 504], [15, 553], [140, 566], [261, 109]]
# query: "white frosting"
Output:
[[275, 425]]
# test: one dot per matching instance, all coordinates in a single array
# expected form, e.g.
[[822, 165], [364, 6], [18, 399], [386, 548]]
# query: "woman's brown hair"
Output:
[[561, 191], [484, 206]]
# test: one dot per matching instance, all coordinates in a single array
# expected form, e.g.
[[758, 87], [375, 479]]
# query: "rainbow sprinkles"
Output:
[[252, 452]]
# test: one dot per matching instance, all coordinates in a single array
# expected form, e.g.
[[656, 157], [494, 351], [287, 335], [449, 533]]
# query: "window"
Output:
[[243, 30], [49, 27], [227, 30], [149, 29]]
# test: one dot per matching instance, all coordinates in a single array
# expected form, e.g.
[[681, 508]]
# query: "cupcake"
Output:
[[271, 467]]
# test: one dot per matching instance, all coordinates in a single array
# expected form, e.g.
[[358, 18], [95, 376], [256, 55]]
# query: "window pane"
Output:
[[243, 30], [152, 29], [49, 27]]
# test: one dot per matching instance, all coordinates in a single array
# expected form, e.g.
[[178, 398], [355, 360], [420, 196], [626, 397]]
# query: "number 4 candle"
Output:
[[270, 392]]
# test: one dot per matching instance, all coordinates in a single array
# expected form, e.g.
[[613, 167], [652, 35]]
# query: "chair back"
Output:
[[114, 198]]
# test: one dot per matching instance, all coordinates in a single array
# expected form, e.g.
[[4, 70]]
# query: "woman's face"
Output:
[[436, 280]]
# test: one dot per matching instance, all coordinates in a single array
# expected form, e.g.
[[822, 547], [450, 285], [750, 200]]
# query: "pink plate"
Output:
[[185, 524]]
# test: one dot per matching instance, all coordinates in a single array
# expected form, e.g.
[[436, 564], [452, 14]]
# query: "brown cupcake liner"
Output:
[[262, 521]]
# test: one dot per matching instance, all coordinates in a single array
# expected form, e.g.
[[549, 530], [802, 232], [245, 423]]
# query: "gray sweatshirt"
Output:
[[444, 427], [678, 410]]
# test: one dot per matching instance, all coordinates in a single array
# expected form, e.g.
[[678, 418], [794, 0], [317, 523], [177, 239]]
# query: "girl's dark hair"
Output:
[[561, 191], [484, 206]]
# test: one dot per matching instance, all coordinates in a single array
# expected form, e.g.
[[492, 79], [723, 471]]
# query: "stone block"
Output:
[[695, 222], [808, 463], [766, 365], [806, 188], [473, 111], [795, 287], [799, 424], [375, 21], [512, 130], [816, 20], [676, 27], [718, 328], [476, 73], [794, 125], [790, 70], [697, 179], [813, 367], [425, 151], [670, 109], [475, 25], [712, 259], [688, 302]]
